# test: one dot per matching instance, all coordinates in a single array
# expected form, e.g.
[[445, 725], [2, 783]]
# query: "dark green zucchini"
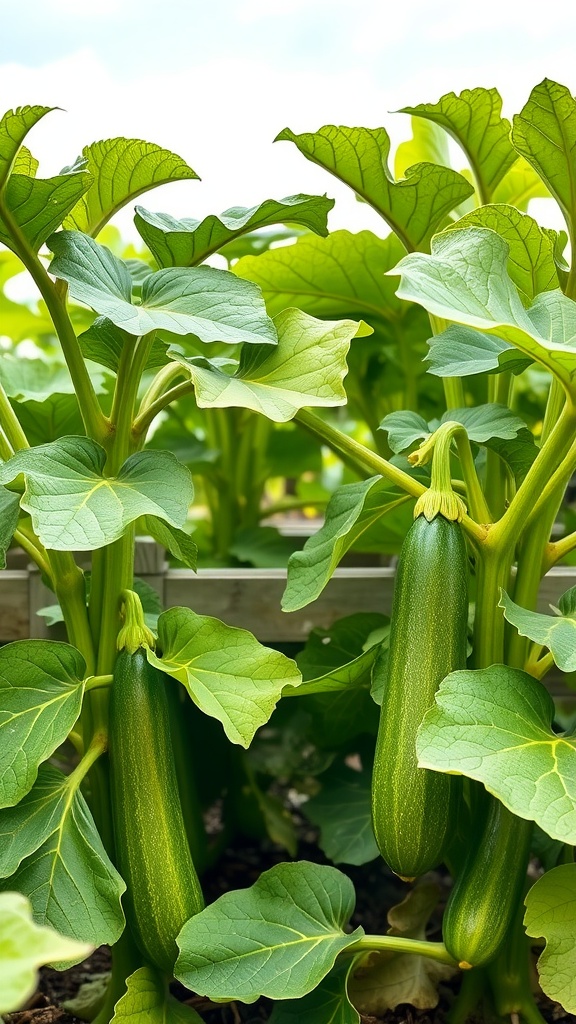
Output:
[[152, 850], [488, 889], [413, 809]]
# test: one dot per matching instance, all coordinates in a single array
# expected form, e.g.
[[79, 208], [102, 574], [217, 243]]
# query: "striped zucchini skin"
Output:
[[488, 889], [413, 808], [152, 850]]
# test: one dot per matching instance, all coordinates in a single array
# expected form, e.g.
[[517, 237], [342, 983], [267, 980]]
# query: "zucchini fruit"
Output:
[[152, 850], [413, 809], [488, 889]]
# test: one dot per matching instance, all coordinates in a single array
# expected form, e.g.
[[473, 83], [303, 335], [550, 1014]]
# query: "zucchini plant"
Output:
[[485, 775], [483, 758], [114, 836]]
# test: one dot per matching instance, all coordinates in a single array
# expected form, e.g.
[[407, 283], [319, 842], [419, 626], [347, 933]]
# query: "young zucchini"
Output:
[[488, 889], [152, 850], [413, 808]]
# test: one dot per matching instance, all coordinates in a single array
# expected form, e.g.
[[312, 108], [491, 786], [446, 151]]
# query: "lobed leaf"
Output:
[[75, 507], [214, 305], [177, 542], [338, 276], [41, 687], [327, 1004], [531, 263], [279, 938], [305, 369], [69, 879], [494, 725], [551, 913], [414, 207], [187, 242], [474, 120], [556, 632], [148, 1001], [122, 169], [544, 133], [352, 509], [39, 205], [461, 351], [466, 280], [226, 672], [14, 127]]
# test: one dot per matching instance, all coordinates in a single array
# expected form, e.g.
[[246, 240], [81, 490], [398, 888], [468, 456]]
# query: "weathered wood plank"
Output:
[[14, 605]]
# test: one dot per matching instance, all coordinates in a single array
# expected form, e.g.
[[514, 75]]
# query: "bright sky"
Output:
[[216, 80]]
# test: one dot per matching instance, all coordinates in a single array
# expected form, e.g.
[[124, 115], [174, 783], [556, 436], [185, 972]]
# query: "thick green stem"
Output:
[[11, 424], [471, 992], [367, 460], [94, 420], [554, 406], [492, 573], [32, 547], [506, 531], [148, 414], [70, 590], [396, 944], [556, 550]]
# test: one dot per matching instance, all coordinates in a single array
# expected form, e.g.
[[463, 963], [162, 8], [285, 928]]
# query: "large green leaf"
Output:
[[461, 351], [551, 913], [466, 280], [24, 947], [279, 938], [214, 305], [74, 507], [24, 827], [556, 632], [352, 509], [14, 127], [122, 169], [494, 725], [227, 673], [544, 132], [531, 263], [147, 1000], [186, 243], [482, 423], [343, 812], [34, 380], [474, 120], [414, 207], [9, 511], [39, 205], [69, 879], [177, 542], [305, 369], [338, 276], [386, 980], [327, 1004], [41, 692], [25, 163]]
